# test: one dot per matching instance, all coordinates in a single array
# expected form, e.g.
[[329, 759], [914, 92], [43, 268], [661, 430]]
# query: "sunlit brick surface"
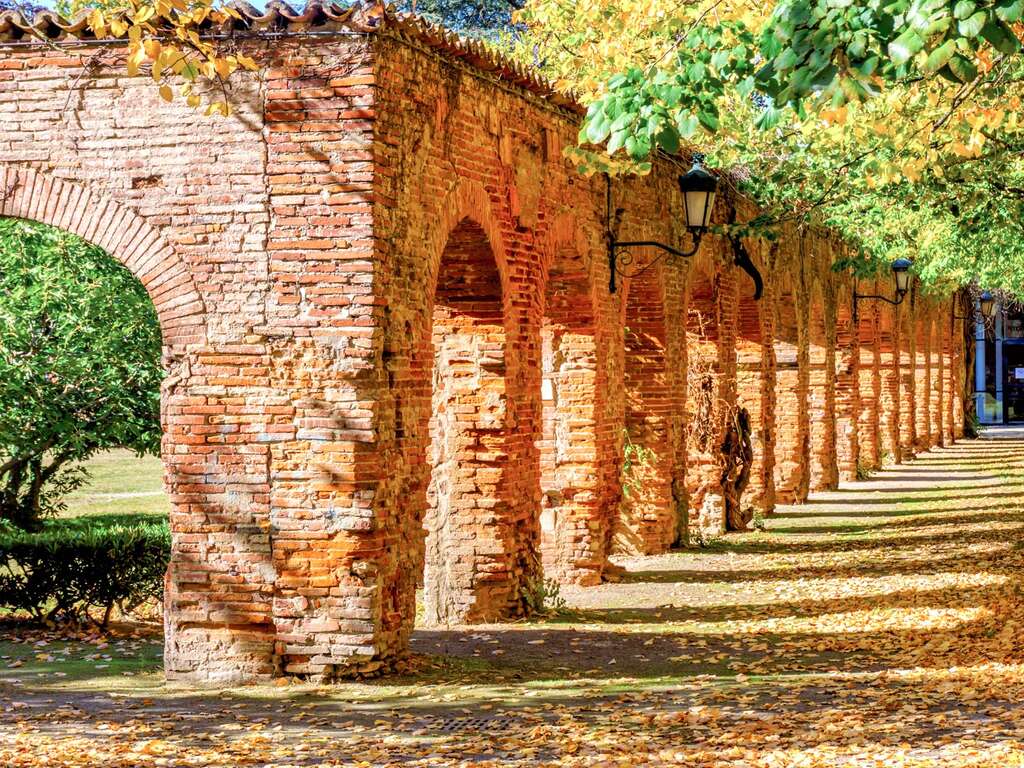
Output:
[[393, 357]]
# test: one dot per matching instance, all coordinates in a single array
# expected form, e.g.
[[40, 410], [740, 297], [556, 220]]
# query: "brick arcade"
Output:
[[392, 354]]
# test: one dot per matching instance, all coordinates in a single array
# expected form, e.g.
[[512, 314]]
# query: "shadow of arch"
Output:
[[29, 194]]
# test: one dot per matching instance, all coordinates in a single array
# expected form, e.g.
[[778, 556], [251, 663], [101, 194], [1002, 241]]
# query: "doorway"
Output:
[[1013, 381]]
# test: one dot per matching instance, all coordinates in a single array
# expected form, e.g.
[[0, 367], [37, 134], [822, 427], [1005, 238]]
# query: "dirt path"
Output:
[[882, 624]]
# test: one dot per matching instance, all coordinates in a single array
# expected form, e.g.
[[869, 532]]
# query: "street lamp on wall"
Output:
[[901, 277], [699, 188], [987, 302], [986, 308]]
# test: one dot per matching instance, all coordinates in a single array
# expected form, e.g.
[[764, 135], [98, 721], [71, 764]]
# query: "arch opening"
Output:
[[754, 392], [703, 407], [80, 370], [572, 524], [790, 402], [466, 568], [646, 521]]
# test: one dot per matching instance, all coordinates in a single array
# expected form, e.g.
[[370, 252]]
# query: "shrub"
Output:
[[71, 567]]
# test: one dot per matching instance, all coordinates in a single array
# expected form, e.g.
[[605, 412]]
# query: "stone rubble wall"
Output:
[[394, 361]]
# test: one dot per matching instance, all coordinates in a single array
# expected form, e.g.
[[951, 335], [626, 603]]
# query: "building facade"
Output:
[[999, 367]]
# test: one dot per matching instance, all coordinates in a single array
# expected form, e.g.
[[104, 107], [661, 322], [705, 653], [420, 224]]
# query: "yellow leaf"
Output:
[[144, 14], [223, 68], [166, 93], [136, 56]]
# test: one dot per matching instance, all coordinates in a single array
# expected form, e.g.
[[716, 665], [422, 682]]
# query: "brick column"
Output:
[[791, 354], [889, 378], [647, 522], [922, 375], [822, 383], [937, 378], [869, 380], [905, 348], [847, 387]]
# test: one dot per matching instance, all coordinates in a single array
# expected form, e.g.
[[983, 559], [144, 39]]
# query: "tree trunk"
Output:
[[738, 458]]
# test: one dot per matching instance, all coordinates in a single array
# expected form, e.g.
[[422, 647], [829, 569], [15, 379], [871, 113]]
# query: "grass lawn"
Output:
[[121, 483]]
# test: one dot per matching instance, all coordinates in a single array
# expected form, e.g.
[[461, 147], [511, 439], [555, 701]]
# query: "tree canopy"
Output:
[[896, 123], [79, 364]]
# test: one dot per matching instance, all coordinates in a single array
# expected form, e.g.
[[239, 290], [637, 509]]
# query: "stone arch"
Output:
[[646, 520], [26, 193], [577, 444]]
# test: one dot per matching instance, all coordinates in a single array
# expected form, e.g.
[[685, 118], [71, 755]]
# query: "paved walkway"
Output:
[[881, 624]]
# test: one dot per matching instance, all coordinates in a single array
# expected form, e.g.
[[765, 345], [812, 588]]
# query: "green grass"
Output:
[[120, 663], [120, 484]]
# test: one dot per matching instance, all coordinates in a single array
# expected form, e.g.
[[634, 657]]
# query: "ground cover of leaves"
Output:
[[879, 625]]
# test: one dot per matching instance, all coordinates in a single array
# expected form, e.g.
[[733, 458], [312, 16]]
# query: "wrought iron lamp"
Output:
[[901, 276], [988, 304], [699, 188], [986, 308]]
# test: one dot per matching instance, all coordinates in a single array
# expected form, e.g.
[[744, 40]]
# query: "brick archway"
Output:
[[577, 443], [821, 386], [646, 522], [28, 194], [480, 516]]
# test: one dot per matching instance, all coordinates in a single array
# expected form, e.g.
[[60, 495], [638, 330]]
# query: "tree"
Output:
[[480, 18], [79, 365], [895, 124]]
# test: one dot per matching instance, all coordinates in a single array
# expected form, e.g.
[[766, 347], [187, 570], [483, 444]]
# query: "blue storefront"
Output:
[[999, 368]]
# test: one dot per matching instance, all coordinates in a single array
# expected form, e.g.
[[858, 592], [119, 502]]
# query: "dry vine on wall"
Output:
[[717, 428]]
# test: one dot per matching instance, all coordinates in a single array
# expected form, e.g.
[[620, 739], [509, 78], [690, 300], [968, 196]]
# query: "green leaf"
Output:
[[963, 68], [963, 9], [1002, 39], [617, 141], [904, 47], [1010, 12], [971, 26], [598, 129], [938, 58], [709, 120], [668, 139]]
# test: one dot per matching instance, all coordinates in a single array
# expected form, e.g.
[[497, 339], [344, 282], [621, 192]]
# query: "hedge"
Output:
[[71, 567]]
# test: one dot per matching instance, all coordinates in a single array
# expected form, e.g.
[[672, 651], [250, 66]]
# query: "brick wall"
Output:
[[393, 358]]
